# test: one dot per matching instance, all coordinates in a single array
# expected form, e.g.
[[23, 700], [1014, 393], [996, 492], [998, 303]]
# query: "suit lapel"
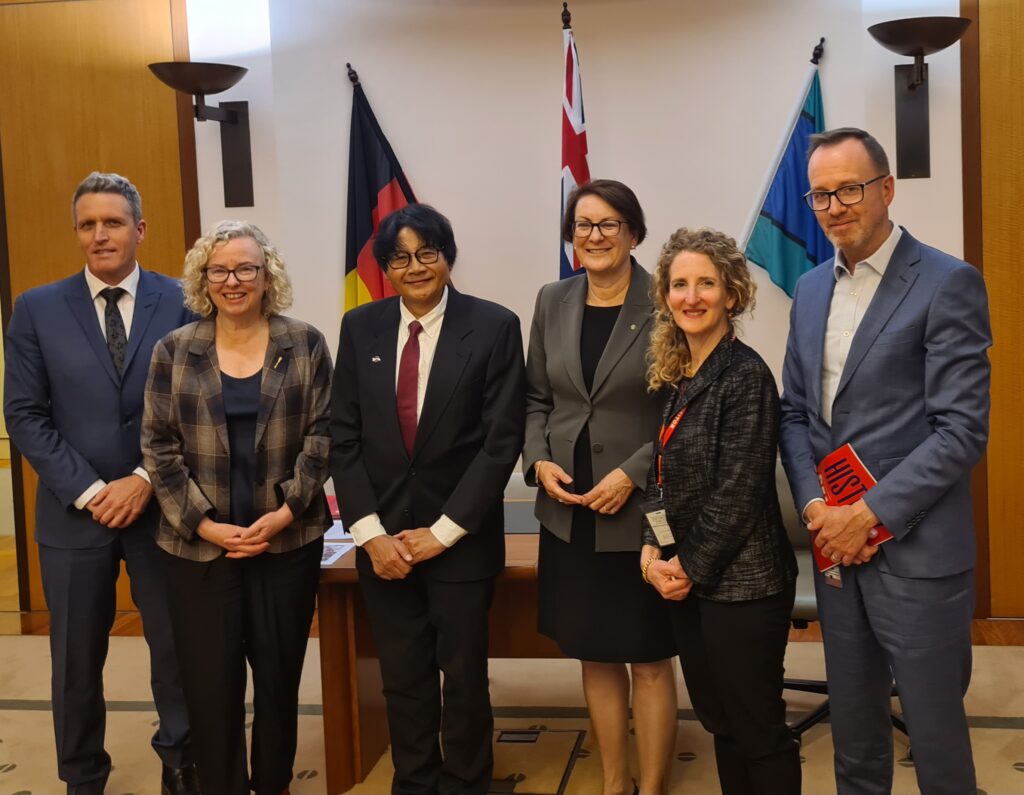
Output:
[[709, 371], [896, 283], [812, 322], [379, 366], [275, 365], [83, 308], [629, 326], [450, 359], [571, 318], [146, 299], [203, 354]]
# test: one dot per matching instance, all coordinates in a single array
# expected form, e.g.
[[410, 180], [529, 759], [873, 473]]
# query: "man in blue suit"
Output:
[[78, 354], [888, 351]]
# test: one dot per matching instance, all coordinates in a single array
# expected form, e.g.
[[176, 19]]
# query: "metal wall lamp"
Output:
[[200, 79], [915, 37]]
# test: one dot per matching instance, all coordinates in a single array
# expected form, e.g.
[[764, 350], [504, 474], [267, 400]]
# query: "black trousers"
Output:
[[225, 612], [732, 659], [423, 628], [80, 587]]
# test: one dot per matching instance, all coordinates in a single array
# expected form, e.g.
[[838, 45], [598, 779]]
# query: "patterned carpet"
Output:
[[542, 744]]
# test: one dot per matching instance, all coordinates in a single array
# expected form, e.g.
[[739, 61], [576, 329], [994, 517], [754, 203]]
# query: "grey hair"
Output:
[[100, 182], [278, 296], [840, 134]]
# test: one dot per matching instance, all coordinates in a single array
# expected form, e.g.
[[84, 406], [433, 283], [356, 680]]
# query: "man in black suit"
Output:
[[78, 353], [427, 423]]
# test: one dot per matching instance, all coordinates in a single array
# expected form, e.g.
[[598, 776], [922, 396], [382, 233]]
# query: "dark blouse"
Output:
[[241, 404], [598, 322]]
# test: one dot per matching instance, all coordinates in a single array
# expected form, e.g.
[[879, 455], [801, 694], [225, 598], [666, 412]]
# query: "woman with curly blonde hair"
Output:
[[235, 440], [714, 542]]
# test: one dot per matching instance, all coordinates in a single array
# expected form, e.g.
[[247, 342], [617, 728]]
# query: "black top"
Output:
[[719, 479], [598, 322], [241, 404]]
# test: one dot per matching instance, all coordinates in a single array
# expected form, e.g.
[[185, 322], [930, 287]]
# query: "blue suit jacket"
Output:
[[913, 399], [68, 411]]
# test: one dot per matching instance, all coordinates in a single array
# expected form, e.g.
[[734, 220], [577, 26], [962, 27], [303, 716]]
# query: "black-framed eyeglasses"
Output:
[[821, 200], [609, 227], [244, 273], [424, 256]]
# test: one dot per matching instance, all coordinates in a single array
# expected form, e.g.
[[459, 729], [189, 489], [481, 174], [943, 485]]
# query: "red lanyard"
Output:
[[664, 435]]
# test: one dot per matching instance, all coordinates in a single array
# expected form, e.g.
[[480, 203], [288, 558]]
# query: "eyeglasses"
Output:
[[244, 273], [424, 256], [821, 200], [609, 227]]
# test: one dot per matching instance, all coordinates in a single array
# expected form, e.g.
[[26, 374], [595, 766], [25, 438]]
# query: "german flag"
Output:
[[376, 187]]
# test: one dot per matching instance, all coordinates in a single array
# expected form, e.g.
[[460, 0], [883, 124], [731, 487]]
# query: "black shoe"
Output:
[[180, 781]]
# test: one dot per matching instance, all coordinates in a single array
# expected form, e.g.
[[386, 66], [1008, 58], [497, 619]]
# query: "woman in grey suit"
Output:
[[589, 426]]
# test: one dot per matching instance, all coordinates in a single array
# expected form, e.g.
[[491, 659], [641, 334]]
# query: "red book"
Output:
[[844, 480], [332, 503]]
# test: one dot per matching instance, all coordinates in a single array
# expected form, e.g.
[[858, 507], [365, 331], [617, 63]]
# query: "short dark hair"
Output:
[[840, 134], [99, 182], [433, 229], [619, 196]]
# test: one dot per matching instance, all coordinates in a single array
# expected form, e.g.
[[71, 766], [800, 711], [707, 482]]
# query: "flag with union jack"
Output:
[[377, 187], [575, 170]]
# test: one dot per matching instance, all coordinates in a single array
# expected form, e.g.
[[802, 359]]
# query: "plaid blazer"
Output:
[[718, 475], [185, 439]]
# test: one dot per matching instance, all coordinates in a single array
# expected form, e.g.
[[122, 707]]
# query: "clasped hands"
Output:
[[118, 504], [667, 576], [394, 556], [607, 497], [843, 531], [246, 542]]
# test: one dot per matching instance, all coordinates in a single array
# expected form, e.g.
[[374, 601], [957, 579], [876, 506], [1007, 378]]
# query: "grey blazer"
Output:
[[623, 416]]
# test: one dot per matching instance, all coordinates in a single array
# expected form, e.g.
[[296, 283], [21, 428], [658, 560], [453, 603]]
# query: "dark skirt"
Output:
[[595, 605]]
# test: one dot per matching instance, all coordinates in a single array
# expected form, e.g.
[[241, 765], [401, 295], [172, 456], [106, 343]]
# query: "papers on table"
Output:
[[336, 543], [337, 532]]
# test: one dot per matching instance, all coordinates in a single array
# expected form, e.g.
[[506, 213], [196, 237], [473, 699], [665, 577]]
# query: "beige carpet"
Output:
[[541, 743]]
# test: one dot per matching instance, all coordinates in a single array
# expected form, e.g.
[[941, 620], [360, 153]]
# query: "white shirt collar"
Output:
[[431, 321], [130, 283], [878, 261]]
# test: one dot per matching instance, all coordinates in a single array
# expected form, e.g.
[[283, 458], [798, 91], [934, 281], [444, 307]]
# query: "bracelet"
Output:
[[646, 566]]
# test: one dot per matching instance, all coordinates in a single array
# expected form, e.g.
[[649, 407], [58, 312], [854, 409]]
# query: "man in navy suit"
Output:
[[78, 354], [427, 422], [888, 351]]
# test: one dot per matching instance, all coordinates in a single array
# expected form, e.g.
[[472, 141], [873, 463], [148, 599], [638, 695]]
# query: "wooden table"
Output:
[[355, 724]]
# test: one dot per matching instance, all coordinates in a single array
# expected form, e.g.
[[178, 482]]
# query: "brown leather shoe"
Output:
[[180, 781]]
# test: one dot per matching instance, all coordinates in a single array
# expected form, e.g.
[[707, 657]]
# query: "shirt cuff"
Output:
[[803, 513], [446, 531], [142, 473], [89, 493], [367, 528]]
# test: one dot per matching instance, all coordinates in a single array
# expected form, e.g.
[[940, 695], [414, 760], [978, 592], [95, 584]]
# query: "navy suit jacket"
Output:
[[68, 411], [468, 440], [913, 399]]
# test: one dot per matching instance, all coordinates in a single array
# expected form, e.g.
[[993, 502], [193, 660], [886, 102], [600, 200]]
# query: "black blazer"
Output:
[[719, 479], [469, 437]]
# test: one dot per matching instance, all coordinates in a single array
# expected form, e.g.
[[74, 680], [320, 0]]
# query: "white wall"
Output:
[[685, 102]]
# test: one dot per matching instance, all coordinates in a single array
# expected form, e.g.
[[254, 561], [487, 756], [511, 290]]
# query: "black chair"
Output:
[[805, 608]]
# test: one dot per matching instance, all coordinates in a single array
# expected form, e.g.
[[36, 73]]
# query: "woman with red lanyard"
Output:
[[714, 542]]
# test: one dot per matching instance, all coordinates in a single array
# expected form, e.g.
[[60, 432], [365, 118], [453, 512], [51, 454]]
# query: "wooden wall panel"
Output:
[[1001, 31], [76, 96]]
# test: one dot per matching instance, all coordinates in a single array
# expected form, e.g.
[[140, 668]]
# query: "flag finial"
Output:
[[566, 17], [819, 50], [353, 75]]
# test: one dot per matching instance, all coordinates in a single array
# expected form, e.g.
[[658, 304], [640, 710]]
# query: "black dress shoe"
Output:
[[180, 781]]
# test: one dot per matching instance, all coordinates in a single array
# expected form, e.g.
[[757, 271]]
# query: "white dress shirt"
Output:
[[126, 305], [444, 529], [851, 298]]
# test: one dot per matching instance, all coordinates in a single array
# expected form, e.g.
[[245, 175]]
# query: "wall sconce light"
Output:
[[200, 79], [915, 37]]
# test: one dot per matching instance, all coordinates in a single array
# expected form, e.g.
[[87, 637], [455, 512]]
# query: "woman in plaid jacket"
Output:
[[235, 440], [713, 511]]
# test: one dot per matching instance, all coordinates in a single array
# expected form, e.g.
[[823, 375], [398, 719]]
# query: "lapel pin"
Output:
[[632, 326], [375, 359], [277, 362]]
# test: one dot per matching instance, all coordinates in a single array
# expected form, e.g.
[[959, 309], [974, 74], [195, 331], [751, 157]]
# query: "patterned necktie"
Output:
[[117, 339], [408, 383]]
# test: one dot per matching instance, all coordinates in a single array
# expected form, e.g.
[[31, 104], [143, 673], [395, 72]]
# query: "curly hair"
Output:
[[668, 355], [278, 296]]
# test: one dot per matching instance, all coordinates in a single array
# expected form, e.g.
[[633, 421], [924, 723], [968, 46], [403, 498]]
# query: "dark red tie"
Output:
[[408, 378]]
